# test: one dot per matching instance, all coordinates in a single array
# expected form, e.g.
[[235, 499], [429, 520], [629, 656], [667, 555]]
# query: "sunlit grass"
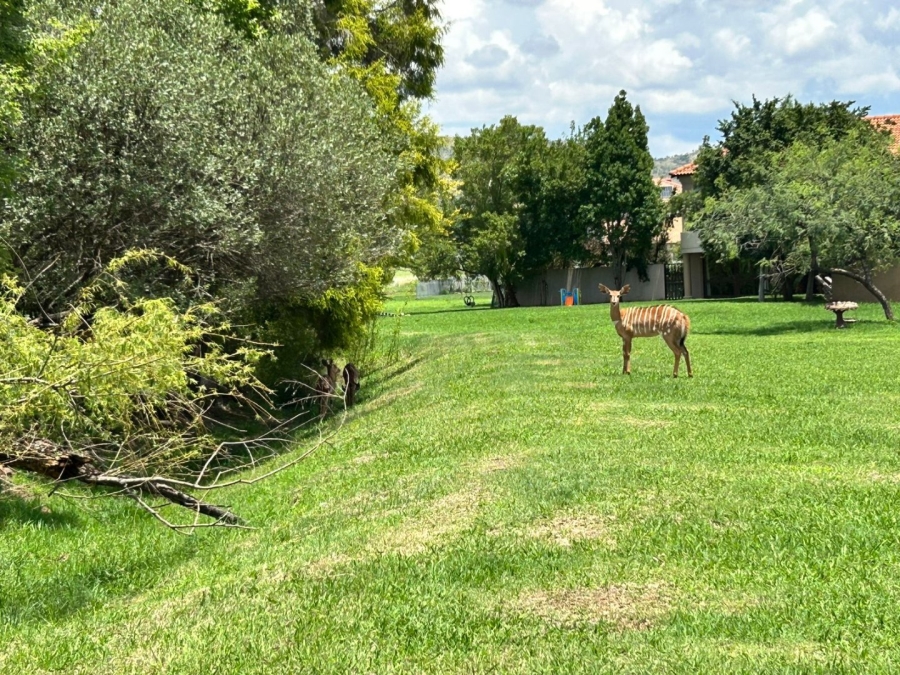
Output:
[[504, 500]]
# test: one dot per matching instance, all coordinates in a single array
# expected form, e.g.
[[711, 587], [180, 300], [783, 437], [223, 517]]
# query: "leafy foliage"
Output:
[[401, 37], [622, 211], [526, 203], [831, 207], [115, 378], [263, 172], [339, 320], [496, 165], [753, 132]]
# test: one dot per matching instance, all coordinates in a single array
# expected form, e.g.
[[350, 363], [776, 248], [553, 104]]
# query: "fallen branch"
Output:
[[54, 462]]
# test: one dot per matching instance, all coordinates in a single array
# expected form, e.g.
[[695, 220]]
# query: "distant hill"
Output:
[[663, 165]]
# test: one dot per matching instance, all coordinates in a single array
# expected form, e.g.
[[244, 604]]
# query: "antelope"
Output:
[[647, 322], [351, 384], [325, 385]]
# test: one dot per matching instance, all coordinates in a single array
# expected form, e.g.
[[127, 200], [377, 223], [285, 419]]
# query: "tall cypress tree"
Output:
[[622, 213]]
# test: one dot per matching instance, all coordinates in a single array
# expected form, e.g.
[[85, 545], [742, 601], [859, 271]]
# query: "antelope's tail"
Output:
[[685, 329]]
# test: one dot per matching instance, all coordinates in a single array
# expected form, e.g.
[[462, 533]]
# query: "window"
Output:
[[666, 191]]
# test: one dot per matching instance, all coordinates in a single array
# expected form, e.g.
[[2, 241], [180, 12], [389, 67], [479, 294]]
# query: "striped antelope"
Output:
[[647, 322]]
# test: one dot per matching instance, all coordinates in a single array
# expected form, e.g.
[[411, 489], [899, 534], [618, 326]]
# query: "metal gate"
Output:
[[674, 281]]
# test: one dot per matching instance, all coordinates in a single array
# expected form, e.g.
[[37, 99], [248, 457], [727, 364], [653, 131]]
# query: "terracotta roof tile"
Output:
[[890, 123], [686, 170]]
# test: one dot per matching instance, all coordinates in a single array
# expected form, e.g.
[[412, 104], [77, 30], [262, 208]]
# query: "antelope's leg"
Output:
[[626, 355], [676, 350], [687, 361]]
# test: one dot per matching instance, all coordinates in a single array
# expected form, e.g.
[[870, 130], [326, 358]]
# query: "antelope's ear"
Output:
[[603, 289], [625, 289]]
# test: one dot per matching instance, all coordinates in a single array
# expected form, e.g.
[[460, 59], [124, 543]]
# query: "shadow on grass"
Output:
[[26, 510], [66, 587], [808, 326], [449, 310], [754, 300], [385, 374]]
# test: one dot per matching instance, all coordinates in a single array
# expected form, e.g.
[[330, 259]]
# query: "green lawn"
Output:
[[504, 500]]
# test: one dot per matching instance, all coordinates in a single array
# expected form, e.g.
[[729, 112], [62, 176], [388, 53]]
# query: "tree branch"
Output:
[[866, 282], [51, 461]]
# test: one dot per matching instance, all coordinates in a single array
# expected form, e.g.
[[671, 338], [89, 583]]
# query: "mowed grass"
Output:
[[504, 500]]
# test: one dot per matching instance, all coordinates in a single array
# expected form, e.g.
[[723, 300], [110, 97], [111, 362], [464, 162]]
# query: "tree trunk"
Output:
[[866, 281], [813, 271], [511, 299], [498, 293], [787, 288], [811, 285], [618, 269]]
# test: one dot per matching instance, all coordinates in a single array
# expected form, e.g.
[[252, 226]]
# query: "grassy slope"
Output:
[[506, 501]]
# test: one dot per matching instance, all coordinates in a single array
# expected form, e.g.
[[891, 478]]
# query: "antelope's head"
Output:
[[614, 296]]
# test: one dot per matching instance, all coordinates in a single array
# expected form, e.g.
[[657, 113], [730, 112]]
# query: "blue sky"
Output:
[[552, 62]]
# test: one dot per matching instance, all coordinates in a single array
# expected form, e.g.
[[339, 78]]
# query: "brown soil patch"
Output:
[[884, 477], [326, 565], [564, 530], [625, 607], [548, 362], [500, 463], [441, 520]]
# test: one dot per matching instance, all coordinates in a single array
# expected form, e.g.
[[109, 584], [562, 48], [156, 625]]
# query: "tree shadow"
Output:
[[387, 373], [28, 510], [806, 326], [449, 310], [63, 591]]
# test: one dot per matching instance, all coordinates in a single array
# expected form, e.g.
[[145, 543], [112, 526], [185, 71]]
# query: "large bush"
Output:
[[246, 160]]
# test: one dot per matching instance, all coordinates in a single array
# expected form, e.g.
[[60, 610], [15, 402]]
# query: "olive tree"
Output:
[[246, 160]]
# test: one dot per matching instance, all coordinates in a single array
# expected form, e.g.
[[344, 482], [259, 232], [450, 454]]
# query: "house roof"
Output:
[[890, 123], [665, 181], [686, 170]]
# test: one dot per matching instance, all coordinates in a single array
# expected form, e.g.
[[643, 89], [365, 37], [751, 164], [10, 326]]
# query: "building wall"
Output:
[[888, 282], [693, 262], [692, 266], [687, 182], [673, 236], [544, 290]]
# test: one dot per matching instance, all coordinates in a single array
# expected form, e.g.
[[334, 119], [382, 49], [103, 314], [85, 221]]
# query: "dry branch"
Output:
[[52, 461]]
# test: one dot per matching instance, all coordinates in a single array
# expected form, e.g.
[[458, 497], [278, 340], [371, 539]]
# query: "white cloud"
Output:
[[541, 45], [803, 33], [879, 82], [488, 56], [731, 43], [456, 11], [682, 61], [667, 144], [889, 21]]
